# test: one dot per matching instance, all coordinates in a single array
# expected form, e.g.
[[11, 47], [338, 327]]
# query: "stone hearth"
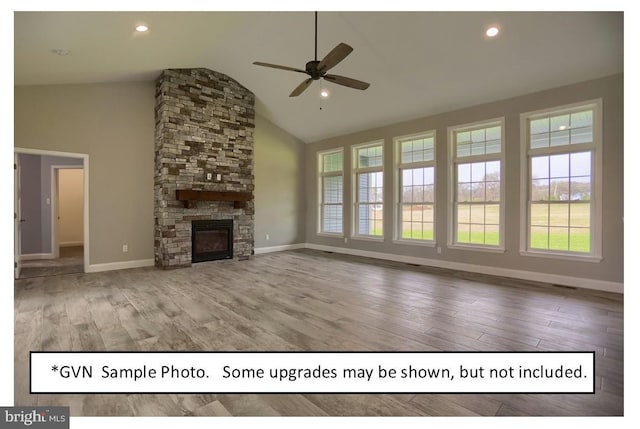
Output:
[[204, 142]]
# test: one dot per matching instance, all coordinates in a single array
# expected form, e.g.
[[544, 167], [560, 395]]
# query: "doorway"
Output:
[[52, 231]]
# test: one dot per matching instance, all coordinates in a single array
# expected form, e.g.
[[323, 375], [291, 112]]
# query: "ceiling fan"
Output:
[[318, 69]]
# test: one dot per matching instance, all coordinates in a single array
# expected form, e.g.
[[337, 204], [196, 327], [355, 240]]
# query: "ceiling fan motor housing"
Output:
[[312, 70]]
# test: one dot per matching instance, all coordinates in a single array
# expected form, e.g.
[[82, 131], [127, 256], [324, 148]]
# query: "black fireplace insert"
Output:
[[211, 240]]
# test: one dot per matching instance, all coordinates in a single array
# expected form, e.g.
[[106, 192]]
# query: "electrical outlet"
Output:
[[266, 236], [125, 248], [438, 250], [346, 240]]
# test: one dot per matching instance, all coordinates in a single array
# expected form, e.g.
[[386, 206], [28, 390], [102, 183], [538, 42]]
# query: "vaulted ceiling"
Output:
[[418, 63]]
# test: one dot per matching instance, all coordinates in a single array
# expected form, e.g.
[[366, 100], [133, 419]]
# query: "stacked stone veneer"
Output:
[[204, 121]]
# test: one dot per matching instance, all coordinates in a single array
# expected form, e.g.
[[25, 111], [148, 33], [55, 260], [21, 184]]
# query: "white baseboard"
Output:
[[261, 250], [95, 268], [35, 256], [579, 282], [71, 243]]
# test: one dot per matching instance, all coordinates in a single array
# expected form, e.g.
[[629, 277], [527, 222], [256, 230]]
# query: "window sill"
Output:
[[476, 248], [424, 243], [330, 234], [367, 238], [563, 256]]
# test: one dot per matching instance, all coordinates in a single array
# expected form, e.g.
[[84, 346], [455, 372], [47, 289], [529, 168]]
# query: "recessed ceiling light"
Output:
[[492, 31], [59, 51], [142, 28], [324, 93]]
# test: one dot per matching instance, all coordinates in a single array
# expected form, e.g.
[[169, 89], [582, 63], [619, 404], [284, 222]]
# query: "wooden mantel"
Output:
[[188, 196]]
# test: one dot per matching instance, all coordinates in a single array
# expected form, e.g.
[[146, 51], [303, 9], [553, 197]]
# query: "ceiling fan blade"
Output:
[[275, 66], [338, 54], [300, 88], [346, 81]]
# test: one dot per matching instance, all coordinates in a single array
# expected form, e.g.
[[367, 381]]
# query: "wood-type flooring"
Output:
[[317, 301]]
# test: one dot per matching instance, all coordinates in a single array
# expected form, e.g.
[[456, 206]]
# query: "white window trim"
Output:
[[321, 174], [397, 165], [452, 189], [596, 191], [354, 185]]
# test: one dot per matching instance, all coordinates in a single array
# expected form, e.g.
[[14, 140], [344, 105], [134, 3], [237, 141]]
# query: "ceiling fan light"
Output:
[[492, 31]]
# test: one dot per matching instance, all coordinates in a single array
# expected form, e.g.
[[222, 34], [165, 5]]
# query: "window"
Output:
[[476, 169], [562, 166], [415, 157], [368, 178], [330, 184]]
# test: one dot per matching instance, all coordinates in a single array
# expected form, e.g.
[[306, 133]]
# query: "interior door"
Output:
[[17, 217]]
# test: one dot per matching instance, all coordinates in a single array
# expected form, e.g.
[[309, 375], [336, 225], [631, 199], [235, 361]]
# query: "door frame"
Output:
[[85, 167]]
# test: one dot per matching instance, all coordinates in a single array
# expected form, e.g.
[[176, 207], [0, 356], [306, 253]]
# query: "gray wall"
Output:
[[610, 89], [31, 228], [279, 178], [114, 125], [35, 180]]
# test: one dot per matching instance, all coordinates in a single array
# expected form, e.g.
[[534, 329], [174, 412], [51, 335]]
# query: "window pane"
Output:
[[580, 215], [477, 171], [417, 149], [540, 190], [429, 193], [559, 214], [464, 192], [478, 192], [561, 122], [492, 214], [464, 212], [581, 135], [493, 146], [559, 165], [539, 126], [581, 188], [539, 140], [582, 119], [464, 233], [464, 173], [492, 235], [332, 162], [539, 237], [539, 167], [476, 234], [332, 219], [558, 238], [478, 142], [579, 240], [464, 150], [416, 213], [476, 214], [560, 138], [369, 156], [407, 177], [463, 137], [332, 187], [581, 164], [539, 214]]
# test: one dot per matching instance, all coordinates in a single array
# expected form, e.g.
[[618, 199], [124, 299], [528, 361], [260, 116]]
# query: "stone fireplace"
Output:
[[204, 162]]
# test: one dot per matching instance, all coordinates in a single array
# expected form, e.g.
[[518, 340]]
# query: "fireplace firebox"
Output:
[[211, 240]]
